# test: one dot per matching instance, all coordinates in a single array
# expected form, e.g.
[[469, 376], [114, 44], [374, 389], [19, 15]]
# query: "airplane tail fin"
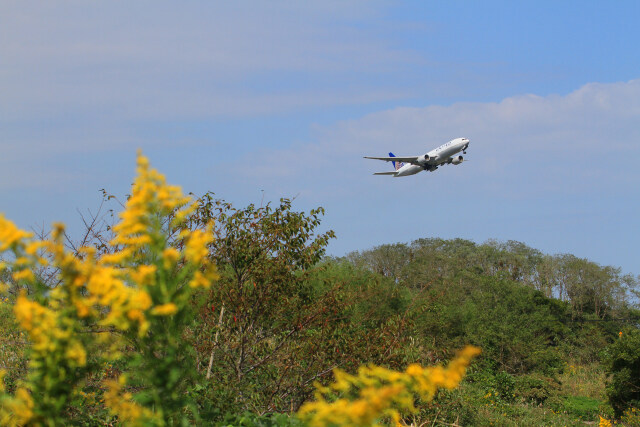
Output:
[[396, 165]]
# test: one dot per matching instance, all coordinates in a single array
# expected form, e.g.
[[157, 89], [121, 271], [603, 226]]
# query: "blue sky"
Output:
[[283, 99]]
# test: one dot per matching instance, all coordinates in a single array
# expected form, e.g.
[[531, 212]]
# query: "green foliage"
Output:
[[283, 316], [518, 327], [499, 387], [472, 405], [631, 417], [587, 287], [535, 388], [530, 313], [265, 333], [131, 305], [13, 344], [249, 419], [579, 406], [622, 362]]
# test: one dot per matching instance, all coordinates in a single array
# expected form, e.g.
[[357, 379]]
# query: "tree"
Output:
[[272, 321], [387, 260]]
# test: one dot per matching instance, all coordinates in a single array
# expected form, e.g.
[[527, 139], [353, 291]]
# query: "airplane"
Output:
[[442, 155]]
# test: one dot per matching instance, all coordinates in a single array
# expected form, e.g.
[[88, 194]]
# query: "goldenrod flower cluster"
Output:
[[630, 417], [17, 411], [12, 238], [133, 289], [10, 235], [129, 412], [377, 393], [604, 423]]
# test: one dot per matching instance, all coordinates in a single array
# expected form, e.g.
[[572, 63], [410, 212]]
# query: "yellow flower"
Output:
[[415, 370], [32, 316], [144, 275], [57, 232], [196, 249], [381, 392], [10, 235], [33, 247], [23, 275], [169, 258], [150, 196], [165, 309], [77, 353], [117, 257], [82, 308], [117, 290], [182, 214], [18, 410], [120, 404], [22, 262], [135, 314], [141, 299], [604, 423], [199, 281]]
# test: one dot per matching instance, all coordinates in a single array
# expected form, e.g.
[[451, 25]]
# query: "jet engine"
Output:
[[423, 160], [456, 160]]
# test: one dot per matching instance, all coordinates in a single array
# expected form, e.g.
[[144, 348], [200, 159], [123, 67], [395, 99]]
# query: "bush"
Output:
[[622, 362], [131, 305], [536, 388]]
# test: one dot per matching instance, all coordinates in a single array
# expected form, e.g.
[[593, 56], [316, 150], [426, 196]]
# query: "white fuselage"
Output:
[[435, 157]]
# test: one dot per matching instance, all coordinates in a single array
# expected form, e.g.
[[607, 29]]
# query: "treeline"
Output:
[[588, 287]]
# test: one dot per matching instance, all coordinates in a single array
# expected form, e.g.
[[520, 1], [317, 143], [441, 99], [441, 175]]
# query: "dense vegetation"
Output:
[[559, 334], [551, 327]]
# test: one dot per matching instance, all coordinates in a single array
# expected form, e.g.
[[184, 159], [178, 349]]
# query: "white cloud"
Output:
[[197, 59], [554, 144]]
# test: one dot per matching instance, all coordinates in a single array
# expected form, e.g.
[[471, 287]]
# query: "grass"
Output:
[[13, 343], [586, 380]]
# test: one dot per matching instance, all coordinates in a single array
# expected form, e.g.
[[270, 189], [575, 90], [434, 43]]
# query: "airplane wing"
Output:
[[385, 173], [395, 159]]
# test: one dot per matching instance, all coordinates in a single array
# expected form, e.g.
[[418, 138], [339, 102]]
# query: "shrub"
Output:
[[536, 388], [138, 295], [631, 417], [622, 362]]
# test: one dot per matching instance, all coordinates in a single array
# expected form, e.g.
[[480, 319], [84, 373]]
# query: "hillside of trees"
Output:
[[559, 334]]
